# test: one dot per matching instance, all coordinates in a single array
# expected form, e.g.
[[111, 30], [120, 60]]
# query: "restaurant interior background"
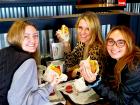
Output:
[[50, 15]]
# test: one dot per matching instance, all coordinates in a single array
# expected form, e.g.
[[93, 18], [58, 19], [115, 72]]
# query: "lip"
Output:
[[114, 52], [83, 36], [31, 46]]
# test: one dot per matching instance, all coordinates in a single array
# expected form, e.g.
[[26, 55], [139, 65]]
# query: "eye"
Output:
[[80, 28], [87, 29], [121, 42], [110, 41], [26, 36]]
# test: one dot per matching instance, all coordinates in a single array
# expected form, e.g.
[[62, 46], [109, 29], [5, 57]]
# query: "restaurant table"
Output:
[[83, 98], [99, 102]]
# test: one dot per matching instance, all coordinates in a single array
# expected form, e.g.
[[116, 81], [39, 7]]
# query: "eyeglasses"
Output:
[[119, 43]]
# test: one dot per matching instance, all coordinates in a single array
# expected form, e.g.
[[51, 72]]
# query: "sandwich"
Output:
[[64, 32], [94, 65], [56, 69]]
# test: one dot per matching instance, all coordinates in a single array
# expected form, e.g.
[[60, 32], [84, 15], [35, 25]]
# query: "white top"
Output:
[[25, 90]]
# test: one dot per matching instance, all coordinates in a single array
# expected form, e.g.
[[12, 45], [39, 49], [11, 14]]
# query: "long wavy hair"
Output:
[[15, 36], [94, 26], [132, 57]]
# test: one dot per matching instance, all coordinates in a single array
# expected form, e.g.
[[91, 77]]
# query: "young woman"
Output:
[[89, 43], [18, 68], [120, 44]]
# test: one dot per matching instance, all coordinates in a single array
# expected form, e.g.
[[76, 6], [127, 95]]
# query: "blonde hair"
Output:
[[15, 36], [95, 28], [132, 52]]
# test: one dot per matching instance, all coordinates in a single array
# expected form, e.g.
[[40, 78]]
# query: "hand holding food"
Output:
[[51, 78], [89, 69], [56, 71], [63, 33]]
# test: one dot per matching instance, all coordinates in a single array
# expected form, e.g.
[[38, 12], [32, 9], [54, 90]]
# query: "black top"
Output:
[[10, 60], [129, 89]]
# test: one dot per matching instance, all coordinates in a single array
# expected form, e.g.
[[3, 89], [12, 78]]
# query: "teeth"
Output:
[[114, 52], [31, 45]]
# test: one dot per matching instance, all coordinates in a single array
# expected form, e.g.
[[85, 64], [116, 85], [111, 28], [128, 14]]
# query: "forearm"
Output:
[[67, 47], [39, 96], [31, 97], [103, 91], [73, 58], [120, 97]]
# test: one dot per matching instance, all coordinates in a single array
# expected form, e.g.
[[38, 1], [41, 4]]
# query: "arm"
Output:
[[62, 38], [96, 53], [24, 89], [73, 58], [128, 90]]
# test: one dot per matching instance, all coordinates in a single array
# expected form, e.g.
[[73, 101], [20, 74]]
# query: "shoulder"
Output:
[[27, 67], [136, 60], [97, 47], [13, 51], [30, 62], [3, 51]]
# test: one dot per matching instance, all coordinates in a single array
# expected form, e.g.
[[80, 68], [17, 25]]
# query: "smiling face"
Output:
[[30, 39], [115, 51], [83, 31]]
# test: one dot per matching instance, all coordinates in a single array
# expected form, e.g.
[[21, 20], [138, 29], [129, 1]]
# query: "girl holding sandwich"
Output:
[[120, 45], [89, 43], [18, 68]]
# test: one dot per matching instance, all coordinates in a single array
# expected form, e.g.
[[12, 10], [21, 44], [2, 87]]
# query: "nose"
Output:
[[31, 38], [83, 31], [115, 45]]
